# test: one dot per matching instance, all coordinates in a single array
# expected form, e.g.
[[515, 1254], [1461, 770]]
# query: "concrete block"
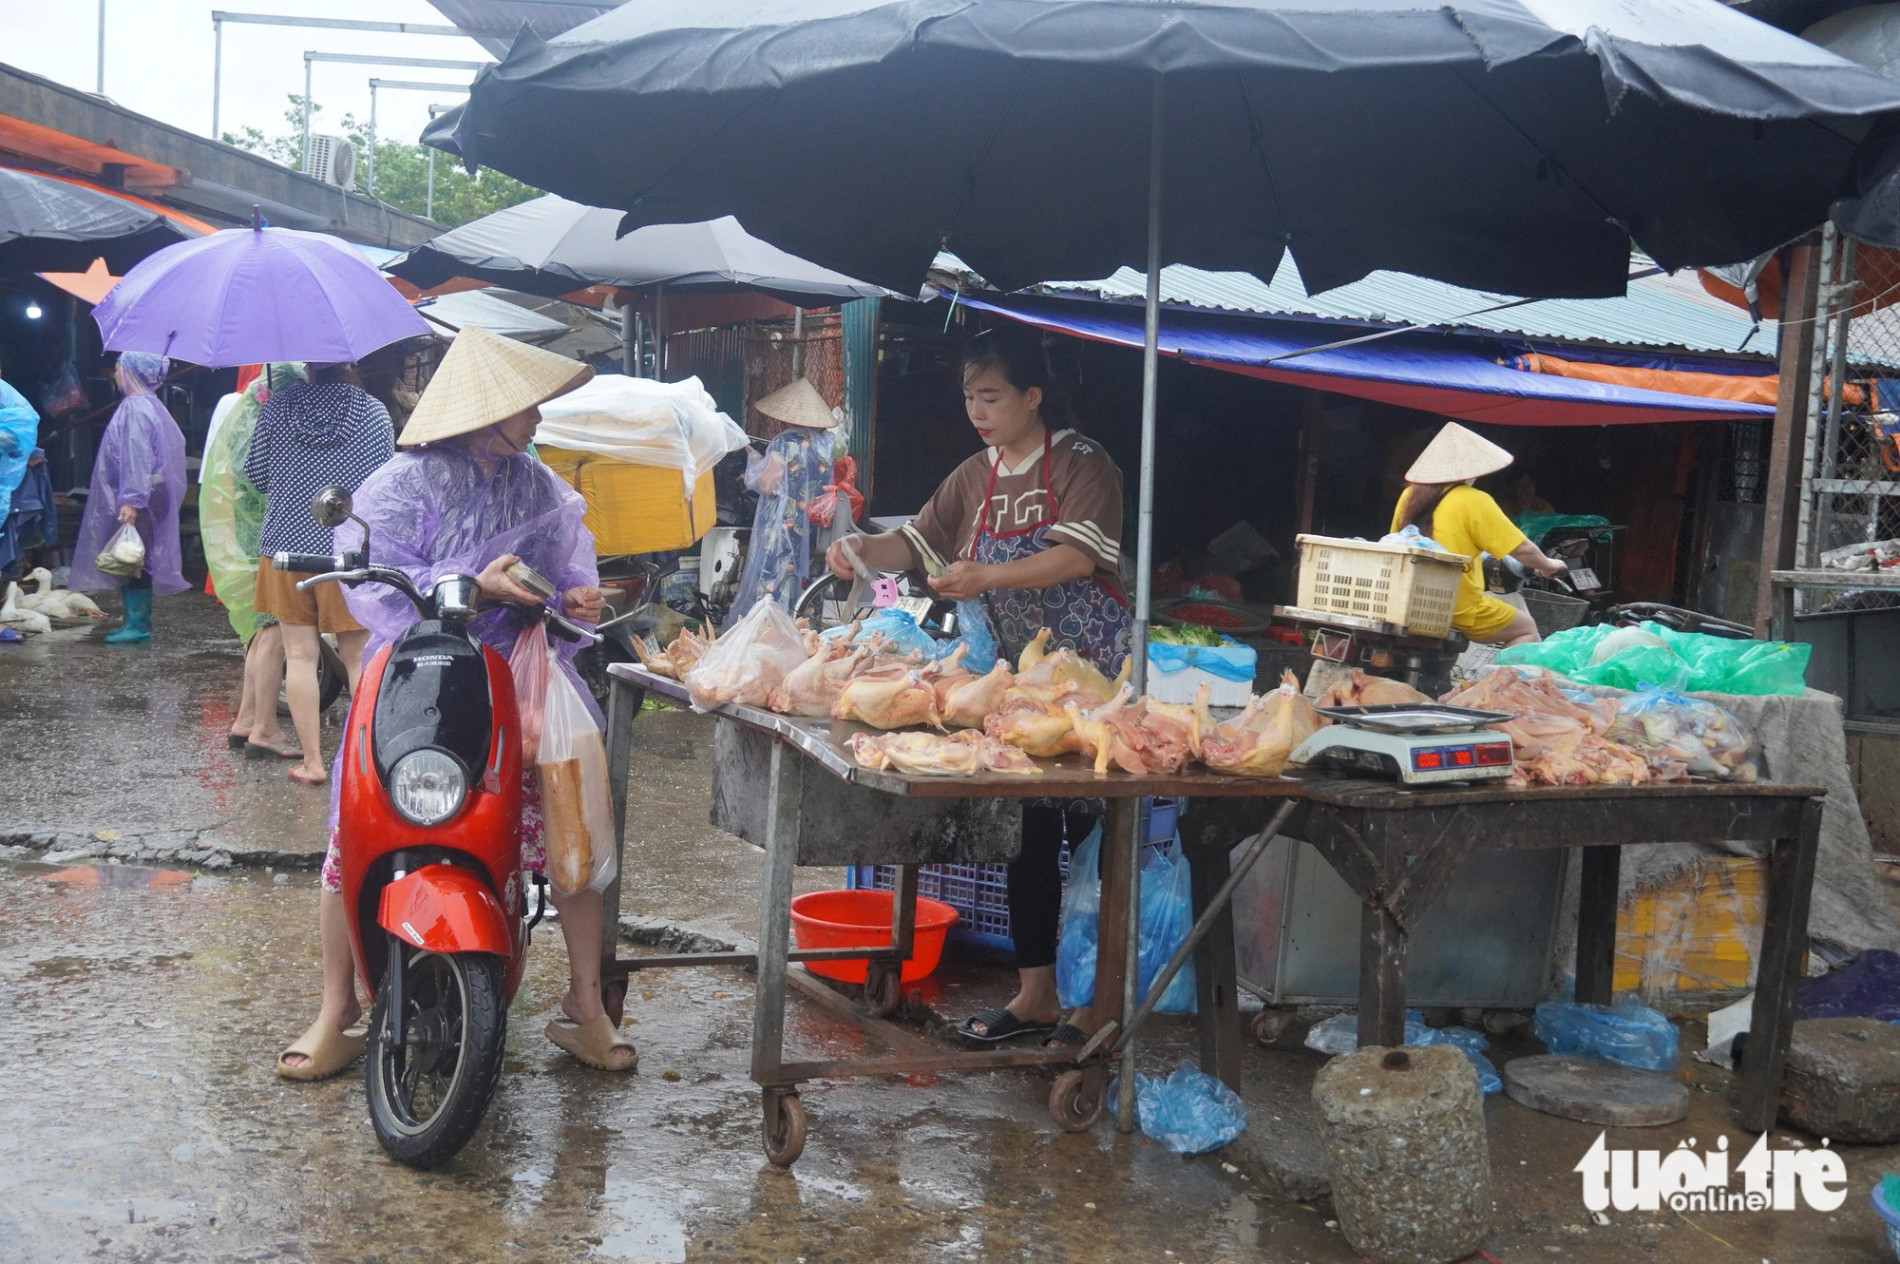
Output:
[[1843, 1080], [1407, 1152], [1595, 1092]]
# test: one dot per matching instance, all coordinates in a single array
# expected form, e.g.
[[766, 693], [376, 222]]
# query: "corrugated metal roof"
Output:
[[1659, 311]]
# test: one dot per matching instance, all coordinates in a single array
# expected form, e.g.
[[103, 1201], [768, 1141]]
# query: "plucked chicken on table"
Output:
[[1257, 742], [1557, 741]]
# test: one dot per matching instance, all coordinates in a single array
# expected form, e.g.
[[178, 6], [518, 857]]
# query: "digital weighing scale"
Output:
[[1419, 743]]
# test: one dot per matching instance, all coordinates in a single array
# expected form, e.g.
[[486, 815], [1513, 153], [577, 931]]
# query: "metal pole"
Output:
[[1144, 543], [371, 189], [659, 333], [304, 162], [100, 88], [629, 338], [428, 202], [1817, 381], [798, 342], [217, 72]]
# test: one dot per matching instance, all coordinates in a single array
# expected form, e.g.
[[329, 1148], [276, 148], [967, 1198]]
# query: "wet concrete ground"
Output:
[[141, 1007]]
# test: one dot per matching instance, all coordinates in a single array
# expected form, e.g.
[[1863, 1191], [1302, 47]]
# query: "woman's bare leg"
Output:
[[263, 674], [340, 1007], [1522, 631], [300, 681], [349, 647], [581, 917]]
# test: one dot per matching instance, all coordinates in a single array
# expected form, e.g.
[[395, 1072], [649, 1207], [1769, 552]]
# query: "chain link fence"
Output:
[[1852, 463]]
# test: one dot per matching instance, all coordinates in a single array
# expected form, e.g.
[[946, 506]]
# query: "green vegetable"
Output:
[[1186, 634]]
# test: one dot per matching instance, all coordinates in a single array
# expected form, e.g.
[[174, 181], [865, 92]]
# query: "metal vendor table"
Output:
[[1397, 847], [766, 793]]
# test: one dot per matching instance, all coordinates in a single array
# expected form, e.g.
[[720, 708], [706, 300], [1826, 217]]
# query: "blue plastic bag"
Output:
[[973, 630], [1190, 1112], [1626, 1032], [1167, 914], [1081, 909], [1340, 1034], [1230, 660], [898, 628]]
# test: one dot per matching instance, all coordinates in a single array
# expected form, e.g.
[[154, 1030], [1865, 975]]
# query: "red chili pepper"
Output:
[[1211, 616]]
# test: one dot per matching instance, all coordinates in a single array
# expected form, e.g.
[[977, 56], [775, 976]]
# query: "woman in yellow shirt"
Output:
[[1442, 504]]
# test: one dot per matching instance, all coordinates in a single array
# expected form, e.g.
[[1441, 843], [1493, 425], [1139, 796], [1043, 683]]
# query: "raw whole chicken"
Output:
[[969, 702], [892, 698], [1036, 666], [958, 754], [812, 687], [748, 661], [1258, 741], [1142, 736], [1556, 741], [1361, 690], [676, 659], [1033, 724]]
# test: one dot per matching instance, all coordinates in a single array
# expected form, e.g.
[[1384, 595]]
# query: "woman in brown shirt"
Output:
[[1032, 526]]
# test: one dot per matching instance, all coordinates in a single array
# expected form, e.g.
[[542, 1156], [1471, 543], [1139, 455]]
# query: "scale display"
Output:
[[1415, 743]]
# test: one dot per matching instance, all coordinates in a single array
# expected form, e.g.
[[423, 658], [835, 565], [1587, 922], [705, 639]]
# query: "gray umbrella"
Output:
[[49, 225], [551, 246]]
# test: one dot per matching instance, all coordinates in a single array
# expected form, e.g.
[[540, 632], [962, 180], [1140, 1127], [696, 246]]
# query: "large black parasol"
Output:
[[49, 225]]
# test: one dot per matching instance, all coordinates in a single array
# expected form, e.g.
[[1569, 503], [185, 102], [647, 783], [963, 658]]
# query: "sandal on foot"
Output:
[[1067, 1034], [330, 1052], [597, 1042], [237, 741], [260, 750], [998, 1025]]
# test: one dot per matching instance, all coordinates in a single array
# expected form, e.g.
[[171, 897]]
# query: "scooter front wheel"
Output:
[[429, 1088]]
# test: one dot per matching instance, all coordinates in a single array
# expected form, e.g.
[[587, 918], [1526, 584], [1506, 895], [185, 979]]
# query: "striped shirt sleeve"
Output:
[[1088, 488]]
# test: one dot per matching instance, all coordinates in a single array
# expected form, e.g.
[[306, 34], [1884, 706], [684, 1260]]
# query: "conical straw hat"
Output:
[[486, 378], [799, 404], [1454, 455]]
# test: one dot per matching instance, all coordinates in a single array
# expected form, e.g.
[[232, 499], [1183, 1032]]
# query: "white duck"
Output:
[[57, 603], [27, 621]]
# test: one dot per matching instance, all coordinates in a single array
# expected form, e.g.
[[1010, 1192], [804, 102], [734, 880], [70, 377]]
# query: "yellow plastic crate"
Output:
[[1404, 585], [634, 508]]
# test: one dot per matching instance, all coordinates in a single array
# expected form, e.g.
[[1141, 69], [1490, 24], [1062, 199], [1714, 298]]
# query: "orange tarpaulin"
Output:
[[1741, 389]]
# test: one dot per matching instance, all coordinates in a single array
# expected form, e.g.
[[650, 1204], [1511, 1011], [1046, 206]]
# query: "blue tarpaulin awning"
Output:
[[1443, 374]]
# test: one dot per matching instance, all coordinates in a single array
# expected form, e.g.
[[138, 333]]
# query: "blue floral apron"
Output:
[[1084, 615]]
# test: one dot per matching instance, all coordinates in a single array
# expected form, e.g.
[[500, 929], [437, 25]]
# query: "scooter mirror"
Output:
[[331, 506]]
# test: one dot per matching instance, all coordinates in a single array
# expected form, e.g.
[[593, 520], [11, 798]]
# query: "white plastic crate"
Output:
[[1402, 584], [1181, 686]]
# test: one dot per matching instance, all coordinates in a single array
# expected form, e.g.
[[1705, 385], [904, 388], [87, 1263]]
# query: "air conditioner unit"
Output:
[[331, 159]]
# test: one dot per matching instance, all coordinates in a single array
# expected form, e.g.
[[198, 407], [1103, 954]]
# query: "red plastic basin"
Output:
[[862, 919]]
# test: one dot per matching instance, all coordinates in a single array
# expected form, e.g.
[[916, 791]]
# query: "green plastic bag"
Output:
[[1690, 662], [1570, 653]]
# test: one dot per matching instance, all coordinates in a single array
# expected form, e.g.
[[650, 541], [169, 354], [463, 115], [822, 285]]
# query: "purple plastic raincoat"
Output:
[[141, 463], [432, 512]]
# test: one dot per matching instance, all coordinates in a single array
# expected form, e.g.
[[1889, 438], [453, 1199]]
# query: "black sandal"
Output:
[[237, 741], [998, 1025], [1068, 1035]]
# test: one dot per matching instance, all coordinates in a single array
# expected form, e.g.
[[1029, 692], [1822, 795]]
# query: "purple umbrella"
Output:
[[254, 296]]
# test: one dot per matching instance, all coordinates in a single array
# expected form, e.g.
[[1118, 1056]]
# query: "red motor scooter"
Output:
[[429, 832]]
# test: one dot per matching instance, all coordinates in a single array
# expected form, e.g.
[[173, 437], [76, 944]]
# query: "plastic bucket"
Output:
[[862, 919], [1889, 1217]]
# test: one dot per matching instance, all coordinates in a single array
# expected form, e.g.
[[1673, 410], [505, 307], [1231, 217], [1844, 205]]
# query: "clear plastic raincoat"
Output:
[[141, 463], [230, 508], [19, 432], [433, 512], [793, 472]]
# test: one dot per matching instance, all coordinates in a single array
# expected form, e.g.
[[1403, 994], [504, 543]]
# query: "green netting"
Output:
[[230, 508]]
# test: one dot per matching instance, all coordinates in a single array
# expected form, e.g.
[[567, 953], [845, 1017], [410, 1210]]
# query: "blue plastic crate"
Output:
[[980, 893]]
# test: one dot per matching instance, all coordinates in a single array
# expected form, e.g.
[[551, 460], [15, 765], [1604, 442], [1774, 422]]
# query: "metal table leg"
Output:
[[1784, 955], [623, 704], [784, 1117], [1596, 924]]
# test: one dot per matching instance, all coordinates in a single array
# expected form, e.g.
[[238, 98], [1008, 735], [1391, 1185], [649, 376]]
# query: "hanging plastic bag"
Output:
[[748, 661], [1081, 913], [1190, 1112], [1626, 1032], [1679, 736], [528, 664], [1167, 914], [123, 557], [823, 507], [577, 813]]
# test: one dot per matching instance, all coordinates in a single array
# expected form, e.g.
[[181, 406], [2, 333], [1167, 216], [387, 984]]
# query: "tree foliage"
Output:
[[402, 171]]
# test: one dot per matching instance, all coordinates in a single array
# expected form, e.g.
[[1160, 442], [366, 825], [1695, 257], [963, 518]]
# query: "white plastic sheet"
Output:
[[671, 425]]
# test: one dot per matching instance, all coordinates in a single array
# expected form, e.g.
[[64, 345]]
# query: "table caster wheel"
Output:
[[784, 1131], [1077, 1099], [884, 988], [1278, 1029]]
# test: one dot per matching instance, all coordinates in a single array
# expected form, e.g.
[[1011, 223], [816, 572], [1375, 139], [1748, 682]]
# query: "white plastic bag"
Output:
[[748, 661], [577, 811], [123, 557], [529, 664]]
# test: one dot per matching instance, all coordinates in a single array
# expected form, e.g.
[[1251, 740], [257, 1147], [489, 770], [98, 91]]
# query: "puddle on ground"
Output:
[[126, 876]]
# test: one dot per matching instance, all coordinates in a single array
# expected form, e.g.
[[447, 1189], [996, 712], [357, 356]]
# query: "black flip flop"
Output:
[[999, 1025], [237, 741], [1066, 1034]]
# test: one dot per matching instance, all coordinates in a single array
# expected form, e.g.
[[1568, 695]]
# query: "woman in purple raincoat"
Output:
[[137, 478]]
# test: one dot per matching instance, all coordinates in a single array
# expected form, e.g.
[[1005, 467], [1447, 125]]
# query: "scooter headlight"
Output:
[[428, 786]]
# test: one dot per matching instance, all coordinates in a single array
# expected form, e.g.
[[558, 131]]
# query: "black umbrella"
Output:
[[49, 225], [551, 246]]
